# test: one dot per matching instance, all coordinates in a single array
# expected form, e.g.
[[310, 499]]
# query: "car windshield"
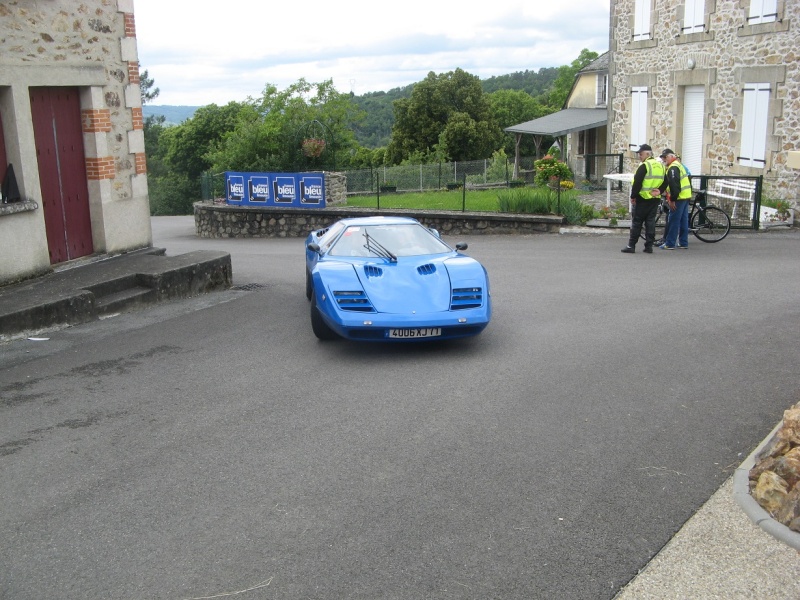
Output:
[[388, 241]]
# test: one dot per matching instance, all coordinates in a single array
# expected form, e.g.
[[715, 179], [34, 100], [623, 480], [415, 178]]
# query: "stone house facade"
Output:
[[72, 132], [716, 80]]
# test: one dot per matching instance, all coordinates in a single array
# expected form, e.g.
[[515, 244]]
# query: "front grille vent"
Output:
[[428, 269], [464, 298], [355, 301]]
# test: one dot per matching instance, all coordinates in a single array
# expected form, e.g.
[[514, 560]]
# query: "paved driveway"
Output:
[[214, 445]]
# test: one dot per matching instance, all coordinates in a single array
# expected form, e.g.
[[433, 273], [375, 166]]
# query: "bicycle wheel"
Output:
[[710, 224]]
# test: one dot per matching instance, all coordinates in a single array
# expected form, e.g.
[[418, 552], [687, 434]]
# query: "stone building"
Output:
[[715, 80], [71, 131]]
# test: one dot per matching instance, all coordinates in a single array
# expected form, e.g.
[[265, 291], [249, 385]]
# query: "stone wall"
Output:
[[214, 220], [728, 54]]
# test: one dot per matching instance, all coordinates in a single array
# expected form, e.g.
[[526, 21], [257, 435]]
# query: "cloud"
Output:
[[202, 57]]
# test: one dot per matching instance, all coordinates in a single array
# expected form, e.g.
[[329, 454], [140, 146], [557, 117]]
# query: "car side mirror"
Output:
[[435, 232], [313, 247], [461, 246]]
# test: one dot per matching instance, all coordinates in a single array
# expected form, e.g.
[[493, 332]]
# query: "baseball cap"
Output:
[[643, 148], [667, 152]]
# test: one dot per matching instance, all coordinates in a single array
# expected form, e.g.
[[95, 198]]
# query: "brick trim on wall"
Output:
[[138, 119], [96, 120], [130, 25], [133, 72], [141, 163], [100, 168]]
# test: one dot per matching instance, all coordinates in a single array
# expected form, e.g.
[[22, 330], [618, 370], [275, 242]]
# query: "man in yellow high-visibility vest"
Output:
[[678, 189], [645, 197]]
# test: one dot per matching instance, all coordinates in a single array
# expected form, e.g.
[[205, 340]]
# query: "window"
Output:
[[638, 117], [602, 89], [641, 21], [754, 125], [694, 16], [762, 11]]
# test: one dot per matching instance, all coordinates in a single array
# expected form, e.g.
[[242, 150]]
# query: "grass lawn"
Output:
[[476, 200]]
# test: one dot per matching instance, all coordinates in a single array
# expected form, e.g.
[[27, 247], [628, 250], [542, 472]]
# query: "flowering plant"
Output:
[[313, 147], [548, 168]]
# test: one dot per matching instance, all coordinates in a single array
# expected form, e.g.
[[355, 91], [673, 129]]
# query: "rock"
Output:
[[788, 467], [789, 512], [770, 491], [790, 430]]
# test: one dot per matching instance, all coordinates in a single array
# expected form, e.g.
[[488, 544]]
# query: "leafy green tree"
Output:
[[512, 107], [269, 133], [421, 121]]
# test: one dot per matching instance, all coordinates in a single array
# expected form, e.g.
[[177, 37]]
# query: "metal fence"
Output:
[[740, 197], [436, 176]]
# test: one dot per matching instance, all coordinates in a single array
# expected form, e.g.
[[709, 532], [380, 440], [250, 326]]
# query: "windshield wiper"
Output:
[[372, 245]]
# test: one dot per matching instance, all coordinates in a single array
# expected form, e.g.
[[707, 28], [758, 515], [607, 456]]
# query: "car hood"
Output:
[[415, 285]]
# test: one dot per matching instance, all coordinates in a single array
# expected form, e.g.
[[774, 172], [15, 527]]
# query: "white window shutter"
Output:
[[694, 16], [762, 11], [641, 21], [638, 117], [755, 118]]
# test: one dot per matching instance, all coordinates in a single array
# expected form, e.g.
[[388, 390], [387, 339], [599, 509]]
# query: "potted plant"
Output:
[[313, 147], [551, 170]]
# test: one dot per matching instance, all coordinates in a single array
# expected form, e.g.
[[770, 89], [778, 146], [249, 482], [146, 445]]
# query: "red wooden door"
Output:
[[57, 130]]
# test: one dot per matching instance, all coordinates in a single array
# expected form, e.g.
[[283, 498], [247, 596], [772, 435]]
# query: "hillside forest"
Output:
[[452, 116]]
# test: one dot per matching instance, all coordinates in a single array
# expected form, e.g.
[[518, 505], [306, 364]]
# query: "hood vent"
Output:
[[372, 271], [428, 269]]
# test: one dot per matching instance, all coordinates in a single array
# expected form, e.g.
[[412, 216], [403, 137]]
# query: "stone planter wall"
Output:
[[214, 220]]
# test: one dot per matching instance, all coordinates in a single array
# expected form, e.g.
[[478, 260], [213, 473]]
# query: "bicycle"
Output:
[[708, 223]]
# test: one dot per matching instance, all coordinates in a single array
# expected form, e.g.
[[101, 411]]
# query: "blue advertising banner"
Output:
[[298, 190]]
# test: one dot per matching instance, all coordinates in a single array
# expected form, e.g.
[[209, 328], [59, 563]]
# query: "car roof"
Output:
[[379, 220]]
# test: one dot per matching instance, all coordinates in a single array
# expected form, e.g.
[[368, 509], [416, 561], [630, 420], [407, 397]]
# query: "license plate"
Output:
[[422, 332]]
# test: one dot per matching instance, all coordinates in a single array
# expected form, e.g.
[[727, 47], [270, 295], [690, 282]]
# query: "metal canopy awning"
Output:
[[563, 122]]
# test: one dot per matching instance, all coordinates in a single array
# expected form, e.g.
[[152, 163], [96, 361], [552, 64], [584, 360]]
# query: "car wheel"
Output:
[[318, 324], [309, 286]]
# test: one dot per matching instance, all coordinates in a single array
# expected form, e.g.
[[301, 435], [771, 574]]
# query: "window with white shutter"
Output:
[[694, 16], [762, 11], [638, 117], [641, 20], [755, 118]]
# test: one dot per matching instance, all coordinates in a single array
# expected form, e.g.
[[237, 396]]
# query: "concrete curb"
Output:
[[759, 516]]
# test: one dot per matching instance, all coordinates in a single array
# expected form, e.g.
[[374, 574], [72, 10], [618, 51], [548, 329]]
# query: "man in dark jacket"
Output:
[[645, 197]]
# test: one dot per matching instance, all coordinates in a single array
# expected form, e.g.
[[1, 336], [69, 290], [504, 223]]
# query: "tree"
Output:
[[421, 121], [148, 92], [512, 107], [270, 133]]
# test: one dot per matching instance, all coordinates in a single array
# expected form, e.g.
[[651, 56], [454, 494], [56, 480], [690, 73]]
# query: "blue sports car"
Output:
[[392, 279]]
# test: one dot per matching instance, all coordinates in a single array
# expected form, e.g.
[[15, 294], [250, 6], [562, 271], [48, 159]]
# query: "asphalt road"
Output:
[[214, 447]]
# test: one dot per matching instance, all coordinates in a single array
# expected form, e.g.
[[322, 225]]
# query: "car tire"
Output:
[[318, 324], [309, 286]]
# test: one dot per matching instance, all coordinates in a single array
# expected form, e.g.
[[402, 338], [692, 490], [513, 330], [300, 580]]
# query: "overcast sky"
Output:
[[199, 56]]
